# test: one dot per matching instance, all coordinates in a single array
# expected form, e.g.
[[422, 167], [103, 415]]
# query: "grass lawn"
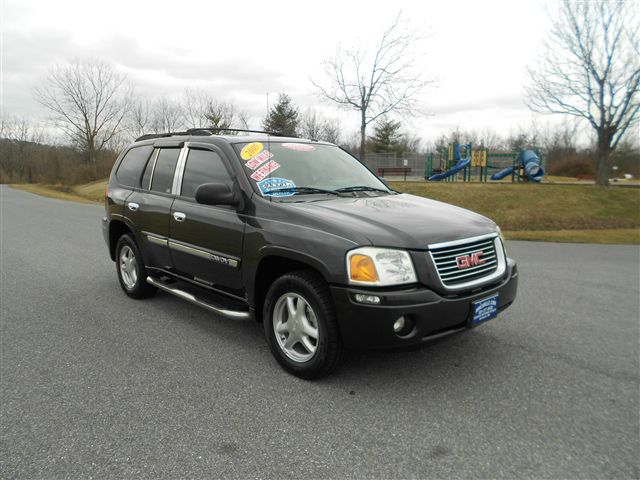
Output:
[[545, 212], [560, 213], [60, 192], [539, 207], [624, 236]]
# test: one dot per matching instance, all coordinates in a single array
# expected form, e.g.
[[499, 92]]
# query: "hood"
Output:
[[403, 221]]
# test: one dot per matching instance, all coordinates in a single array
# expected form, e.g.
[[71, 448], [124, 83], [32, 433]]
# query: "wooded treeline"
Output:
[[29, 155]]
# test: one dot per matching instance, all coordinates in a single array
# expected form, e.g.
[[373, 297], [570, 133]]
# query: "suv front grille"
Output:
[[470, 262]]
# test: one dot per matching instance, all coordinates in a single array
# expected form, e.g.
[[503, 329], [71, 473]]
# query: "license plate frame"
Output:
[[484, 309]]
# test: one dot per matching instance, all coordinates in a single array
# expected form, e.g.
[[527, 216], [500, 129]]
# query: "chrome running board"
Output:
[[233, 314]]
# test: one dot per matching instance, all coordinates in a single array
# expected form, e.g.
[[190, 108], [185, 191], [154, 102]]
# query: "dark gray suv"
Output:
[[300, 236]]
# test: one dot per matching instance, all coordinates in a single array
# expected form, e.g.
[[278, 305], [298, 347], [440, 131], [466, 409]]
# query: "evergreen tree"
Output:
[[283, 117], [387, 137]]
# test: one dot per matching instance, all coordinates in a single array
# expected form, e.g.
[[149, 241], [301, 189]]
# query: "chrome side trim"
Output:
[[233, 314], [190, 250], [156, 239], [213, 256], [500, 270]]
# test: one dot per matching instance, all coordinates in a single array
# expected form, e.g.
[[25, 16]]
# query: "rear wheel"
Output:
[[131, 271], [300, 325]]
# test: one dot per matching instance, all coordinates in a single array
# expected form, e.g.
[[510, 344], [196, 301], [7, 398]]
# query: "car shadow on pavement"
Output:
[[460, 355]]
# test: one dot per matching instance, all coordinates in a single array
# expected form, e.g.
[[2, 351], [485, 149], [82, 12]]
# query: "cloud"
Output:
[[156, 71], [509, 101]]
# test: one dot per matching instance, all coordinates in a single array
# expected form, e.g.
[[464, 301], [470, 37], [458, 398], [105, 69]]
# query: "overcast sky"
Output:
[[240, 51]]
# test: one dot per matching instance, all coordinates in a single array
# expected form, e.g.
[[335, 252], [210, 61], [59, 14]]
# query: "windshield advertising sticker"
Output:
[[250, 150], [270, 184], [299, 147], [265, 170], [259, 159]]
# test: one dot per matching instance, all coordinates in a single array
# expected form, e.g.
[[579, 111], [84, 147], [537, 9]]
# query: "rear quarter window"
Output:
[[130, 170]]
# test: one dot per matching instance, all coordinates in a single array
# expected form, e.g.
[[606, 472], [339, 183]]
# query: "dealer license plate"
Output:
[[484, 309]]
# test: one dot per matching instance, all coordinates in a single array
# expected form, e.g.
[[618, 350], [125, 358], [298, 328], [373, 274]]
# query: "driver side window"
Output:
[[203, 166]]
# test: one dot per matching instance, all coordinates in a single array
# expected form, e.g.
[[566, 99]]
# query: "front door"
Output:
[[206, 241]]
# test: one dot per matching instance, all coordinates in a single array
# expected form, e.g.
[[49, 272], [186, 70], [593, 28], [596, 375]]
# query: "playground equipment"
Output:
[[462, 162], [528, 162]]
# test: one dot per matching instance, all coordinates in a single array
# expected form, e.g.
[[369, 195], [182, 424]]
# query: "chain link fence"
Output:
[[416, 162]]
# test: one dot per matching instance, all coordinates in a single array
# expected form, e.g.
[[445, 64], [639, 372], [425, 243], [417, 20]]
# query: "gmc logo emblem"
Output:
[[472, 260]]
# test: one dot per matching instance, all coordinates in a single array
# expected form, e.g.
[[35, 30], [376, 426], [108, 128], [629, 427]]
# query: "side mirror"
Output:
[[216, 194]]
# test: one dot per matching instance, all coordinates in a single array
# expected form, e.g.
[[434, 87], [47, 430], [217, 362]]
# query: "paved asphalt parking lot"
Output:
[[94, 384]]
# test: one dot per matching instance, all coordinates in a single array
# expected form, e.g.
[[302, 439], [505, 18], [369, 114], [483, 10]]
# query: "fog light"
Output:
[[362, 298], [398, 325]]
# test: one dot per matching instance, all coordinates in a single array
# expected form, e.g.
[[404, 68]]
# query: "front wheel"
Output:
[[301, 327]]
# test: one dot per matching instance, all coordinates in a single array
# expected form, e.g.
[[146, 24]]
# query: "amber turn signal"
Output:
[[362, 269]]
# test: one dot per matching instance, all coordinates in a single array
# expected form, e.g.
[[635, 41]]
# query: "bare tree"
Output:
[[167, 116], [15, 134], [376, 82], [243, 119], [89, 100], [224, 115], [311, 124], [331, 131], [139, 120], [15, 129], [196, 106], [315, 126], [590, 69]]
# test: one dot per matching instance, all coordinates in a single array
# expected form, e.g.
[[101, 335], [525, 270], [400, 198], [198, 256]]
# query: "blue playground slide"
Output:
[[502, 173], [532, 165], [460, 165], [529, 160]]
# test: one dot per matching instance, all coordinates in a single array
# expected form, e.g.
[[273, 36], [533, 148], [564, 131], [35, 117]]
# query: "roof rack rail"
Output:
[[195, 131], [149, 136], [203, 131]]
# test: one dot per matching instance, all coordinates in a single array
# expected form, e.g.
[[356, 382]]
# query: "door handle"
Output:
[[179, 216], [133, 206]]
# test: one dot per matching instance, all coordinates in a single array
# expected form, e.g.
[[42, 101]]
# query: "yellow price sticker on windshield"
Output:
[[250, 150]]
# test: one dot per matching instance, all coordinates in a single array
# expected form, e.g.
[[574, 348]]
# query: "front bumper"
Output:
[[371, 326]]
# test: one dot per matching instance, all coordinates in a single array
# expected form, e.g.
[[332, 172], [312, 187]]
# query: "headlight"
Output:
[[380, 267]]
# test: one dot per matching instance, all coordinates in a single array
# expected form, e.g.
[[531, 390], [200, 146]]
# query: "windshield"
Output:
[[286, 169]]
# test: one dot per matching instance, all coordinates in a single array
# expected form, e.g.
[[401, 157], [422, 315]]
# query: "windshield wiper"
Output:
[[361, 188], [301, 191]]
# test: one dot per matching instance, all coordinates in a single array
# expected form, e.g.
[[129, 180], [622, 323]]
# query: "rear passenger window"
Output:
[[165, 168], [130, 169], [203, 166]]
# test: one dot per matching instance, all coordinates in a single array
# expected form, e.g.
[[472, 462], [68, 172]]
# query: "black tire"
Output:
[[134, 287], [308, 291]]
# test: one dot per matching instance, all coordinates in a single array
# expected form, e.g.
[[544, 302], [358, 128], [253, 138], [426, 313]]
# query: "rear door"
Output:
[[149, 206], [126, 179], [206, 241]]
